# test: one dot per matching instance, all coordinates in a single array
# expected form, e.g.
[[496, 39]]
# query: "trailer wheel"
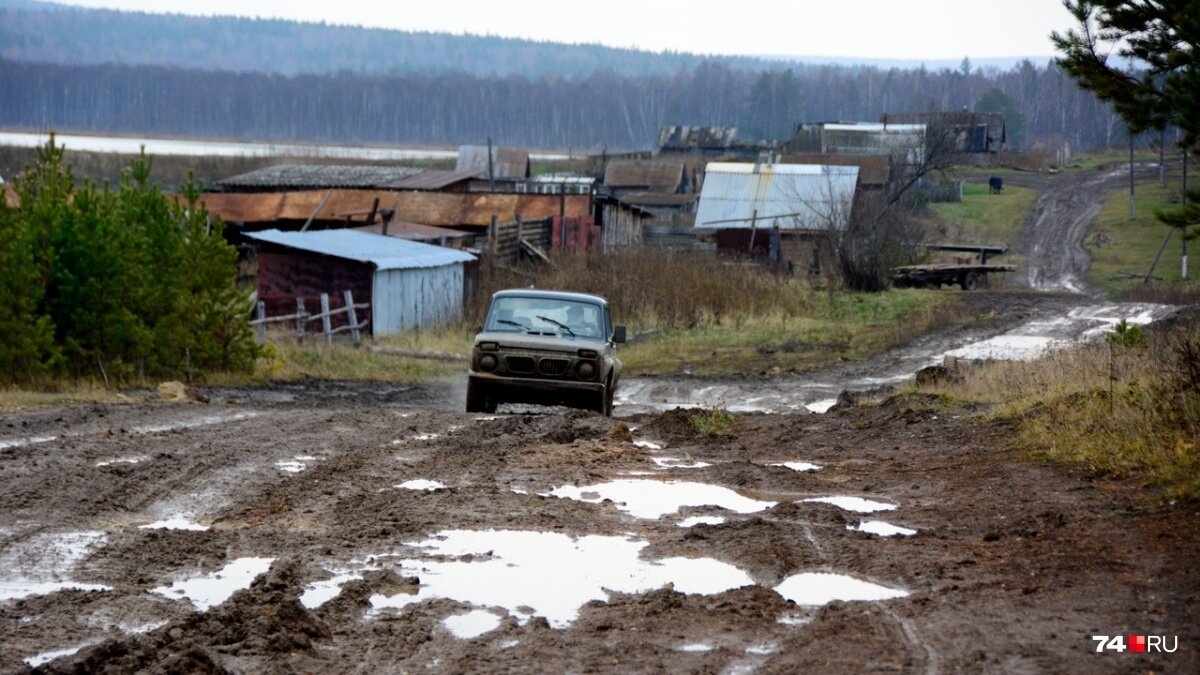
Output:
[[970, 280]]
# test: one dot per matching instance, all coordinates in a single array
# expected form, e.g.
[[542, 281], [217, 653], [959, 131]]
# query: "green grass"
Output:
[[982, 218], [846, 326], [713, 421], [1118, 244]]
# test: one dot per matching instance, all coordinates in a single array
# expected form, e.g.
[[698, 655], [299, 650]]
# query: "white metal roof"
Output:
[[790, 196], [386, 253], [878, 127]]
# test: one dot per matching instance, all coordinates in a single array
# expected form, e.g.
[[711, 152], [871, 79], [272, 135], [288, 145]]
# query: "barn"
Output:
[[407, 284]]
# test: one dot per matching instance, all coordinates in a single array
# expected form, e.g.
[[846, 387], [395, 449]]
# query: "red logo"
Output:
[[1137, 643]]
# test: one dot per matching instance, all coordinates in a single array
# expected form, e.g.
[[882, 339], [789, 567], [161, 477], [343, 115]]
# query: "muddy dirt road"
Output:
[[403, 539], [332, 527]]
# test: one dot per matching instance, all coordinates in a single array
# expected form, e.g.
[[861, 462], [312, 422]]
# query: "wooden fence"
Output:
[[302, 317], [507, 241]]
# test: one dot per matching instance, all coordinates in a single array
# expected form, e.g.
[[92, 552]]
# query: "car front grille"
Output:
[[519, 364], [553, 367]]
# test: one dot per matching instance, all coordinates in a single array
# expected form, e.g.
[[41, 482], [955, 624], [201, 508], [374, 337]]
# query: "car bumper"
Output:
[[532, 384]]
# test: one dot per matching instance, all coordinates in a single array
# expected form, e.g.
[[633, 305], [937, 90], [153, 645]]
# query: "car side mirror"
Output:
[[619, 334]]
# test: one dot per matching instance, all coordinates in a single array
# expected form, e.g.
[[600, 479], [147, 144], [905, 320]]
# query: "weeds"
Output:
[[714, 421], [1122, 412]]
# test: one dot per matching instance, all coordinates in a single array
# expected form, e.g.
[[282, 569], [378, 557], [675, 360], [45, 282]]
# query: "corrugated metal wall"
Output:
[[425, 298]]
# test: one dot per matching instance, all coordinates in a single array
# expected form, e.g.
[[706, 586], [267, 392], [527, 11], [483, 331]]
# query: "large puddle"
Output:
[[44, 563], [654, 499], [548, 574], [819, 588], [209, 590]]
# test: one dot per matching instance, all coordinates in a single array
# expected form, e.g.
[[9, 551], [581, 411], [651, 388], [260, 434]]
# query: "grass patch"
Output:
[[289, 361], [1118, 244], [982, 218], [60, 393], [713, 421], [1124, 408]]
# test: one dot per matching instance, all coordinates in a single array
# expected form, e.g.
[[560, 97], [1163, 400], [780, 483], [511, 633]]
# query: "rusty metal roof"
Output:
[[454, 209], [316, 176], [386, 253], [507, 163], [265, 207], [790, 196], [659, 199], [872, 169], [431, 180], [415, 231], [685, 137], [654, 176]]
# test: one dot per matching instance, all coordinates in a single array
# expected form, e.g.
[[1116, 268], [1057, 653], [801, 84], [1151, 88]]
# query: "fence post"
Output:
[[494, 235], [349, 297], [262, 321], [325, 321], [301, 317]]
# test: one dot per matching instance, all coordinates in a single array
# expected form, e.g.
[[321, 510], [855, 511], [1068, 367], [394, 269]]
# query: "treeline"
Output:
[[48, 33], [115, 283], [603, 109]]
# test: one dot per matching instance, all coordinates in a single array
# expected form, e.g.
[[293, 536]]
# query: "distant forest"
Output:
[[603, 109], [49, 33]]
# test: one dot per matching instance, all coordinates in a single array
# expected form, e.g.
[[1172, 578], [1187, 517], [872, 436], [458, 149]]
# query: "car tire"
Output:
[[605, 405], [477, 402]]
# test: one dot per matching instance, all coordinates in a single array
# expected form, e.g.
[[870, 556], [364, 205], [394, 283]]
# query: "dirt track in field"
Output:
[[524, 542]]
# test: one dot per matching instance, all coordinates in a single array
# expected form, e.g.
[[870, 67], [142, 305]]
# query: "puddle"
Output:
[[653, 499], [122, 460], [821, 406], [760, 650], [678, 463], [696, 647], [855, 504], [15, 590], [793, 620], [47, 657], [138, 629], [472, 624], [193, 423], [422, 484], [882, 529], [209, 590], [549, 574], [321, 592], [42, 564], [649, 445], [693, 521], [295, 464], [21, 442], [425, 437], [177, 523], [819, 588], [798, 466], [1009, 348]]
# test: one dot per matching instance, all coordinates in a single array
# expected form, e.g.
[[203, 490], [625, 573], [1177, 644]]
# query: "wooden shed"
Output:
[[407, 284]]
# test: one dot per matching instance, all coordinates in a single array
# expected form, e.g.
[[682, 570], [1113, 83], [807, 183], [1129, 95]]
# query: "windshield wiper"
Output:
[[560, 325], [511, 323]]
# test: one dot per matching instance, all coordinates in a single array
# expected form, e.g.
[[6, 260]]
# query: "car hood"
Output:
[[558, 343]]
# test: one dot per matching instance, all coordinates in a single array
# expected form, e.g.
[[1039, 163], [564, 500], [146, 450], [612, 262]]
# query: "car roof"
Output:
[[550, 295]]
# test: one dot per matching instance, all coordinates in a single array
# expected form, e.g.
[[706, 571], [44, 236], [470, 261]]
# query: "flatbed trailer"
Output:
[[968, 276]]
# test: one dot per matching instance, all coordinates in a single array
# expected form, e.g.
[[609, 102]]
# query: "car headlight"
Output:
[[489, 346], [586, 370], [488, 362]]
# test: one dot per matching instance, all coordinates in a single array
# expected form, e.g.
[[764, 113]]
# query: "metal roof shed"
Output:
[[804, 197], [410, 285]]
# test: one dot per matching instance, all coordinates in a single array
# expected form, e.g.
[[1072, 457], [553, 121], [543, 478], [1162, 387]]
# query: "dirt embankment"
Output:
[[1014, 565]]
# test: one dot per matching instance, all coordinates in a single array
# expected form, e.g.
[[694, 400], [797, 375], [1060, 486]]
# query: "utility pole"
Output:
[[1183, 262], [492, 170]]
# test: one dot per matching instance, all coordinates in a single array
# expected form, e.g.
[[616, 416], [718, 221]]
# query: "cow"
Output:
[[995, 185]]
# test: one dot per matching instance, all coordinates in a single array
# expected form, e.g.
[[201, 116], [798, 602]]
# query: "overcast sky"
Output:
[[875, 29]]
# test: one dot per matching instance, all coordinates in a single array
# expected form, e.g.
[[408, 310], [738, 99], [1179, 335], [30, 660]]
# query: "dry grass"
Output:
[[1121, 411], [60, 393]]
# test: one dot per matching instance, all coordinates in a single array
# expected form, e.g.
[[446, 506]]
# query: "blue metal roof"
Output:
[[790, 196], [386, 253]]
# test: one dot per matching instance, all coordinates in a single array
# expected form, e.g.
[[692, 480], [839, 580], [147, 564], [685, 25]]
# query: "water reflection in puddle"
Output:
[[122, 460], [855, 504], [701, 520], [209, 590], [678, 463], [654, 499], [472, 624], [696, 647], [649, 445], [550, 574], [798, 466], [16, 589], [422, 484], [42, 564], [176, 523], [821, 406], [819, 588], [47, 657], [878, 527]]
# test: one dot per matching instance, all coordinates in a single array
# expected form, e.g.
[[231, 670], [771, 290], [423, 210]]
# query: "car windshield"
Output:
[[546, 315]]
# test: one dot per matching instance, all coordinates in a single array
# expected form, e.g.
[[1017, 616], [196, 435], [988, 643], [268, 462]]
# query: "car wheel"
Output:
[[605, 406], [476, 400]]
